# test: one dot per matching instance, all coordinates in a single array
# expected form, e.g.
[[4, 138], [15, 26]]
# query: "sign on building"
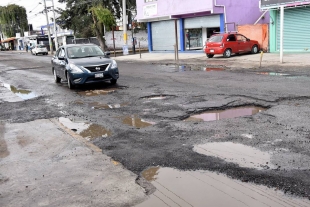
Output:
[[267, 4], [150, 10]]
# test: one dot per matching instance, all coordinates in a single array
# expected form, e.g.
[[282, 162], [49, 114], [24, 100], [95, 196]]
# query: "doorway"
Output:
[[193, 39]]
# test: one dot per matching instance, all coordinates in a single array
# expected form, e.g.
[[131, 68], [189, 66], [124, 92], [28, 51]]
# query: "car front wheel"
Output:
[[70, 85], [210, 55], [227, 53], [254, 49], [56, 78]]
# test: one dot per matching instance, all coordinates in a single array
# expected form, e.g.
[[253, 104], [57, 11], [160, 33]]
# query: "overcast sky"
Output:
[[33, 8]]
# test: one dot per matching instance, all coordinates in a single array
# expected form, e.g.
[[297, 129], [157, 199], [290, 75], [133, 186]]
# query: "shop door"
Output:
[[163, 35], [193, 39], [296, 29]]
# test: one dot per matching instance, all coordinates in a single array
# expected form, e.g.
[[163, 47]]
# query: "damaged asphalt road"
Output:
[[144, 118]]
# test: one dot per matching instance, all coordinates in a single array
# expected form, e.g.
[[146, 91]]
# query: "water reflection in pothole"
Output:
[[273, 74], [183, 68], [86, 130], [137, 122], [240, 154], [157, 97], [22, 93], [97, 105], [204, 188], [226, 114]]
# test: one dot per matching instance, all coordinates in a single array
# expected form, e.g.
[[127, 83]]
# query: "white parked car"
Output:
[[39, 49]]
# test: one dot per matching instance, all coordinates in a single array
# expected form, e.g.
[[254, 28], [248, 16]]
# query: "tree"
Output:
[[101, 16], [88, 17], [13, 19]]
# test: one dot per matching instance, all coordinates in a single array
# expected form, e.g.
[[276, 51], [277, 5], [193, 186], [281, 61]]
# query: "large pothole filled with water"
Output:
[[226, 113], [86, 130], [204, 188], [22, 93]]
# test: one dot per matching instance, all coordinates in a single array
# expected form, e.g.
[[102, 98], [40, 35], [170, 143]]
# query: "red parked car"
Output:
[[230, 43]]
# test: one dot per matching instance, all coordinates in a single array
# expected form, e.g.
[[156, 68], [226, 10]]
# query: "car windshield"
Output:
[[41, 46], [216, 38], [84, 51]]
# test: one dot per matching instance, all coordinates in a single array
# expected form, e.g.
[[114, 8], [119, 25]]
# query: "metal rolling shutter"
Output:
[[163, 35], [296, 29], [199, 22]]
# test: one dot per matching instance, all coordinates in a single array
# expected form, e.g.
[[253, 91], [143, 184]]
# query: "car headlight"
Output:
[[114, 64], [75, 69]]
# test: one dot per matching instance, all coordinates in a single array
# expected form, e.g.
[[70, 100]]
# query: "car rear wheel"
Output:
[[210, 55], [227, 53], [113, 81], [56, 78], [70, 85], [254, 49]]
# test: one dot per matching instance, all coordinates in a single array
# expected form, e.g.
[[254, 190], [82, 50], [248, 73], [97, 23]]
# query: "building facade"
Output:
[[296, 24], [194, 21]]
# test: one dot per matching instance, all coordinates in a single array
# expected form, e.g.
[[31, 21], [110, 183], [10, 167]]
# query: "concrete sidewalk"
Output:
[[250, 61], [291, 61]]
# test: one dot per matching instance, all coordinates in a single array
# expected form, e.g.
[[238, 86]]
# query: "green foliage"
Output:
[[13, 19], [78, 15], [103, 15]]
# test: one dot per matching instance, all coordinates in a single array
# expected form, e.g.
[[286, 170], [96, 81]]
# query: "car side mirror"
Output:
[[107, 53], [247, 39]]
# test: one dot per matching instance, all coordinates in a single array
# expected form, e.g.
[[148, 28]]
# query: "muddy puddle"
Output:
[[183, 68], [226, 114], [137, 122], [22, 93], [97, 92], [97, 105], [273, 74], [199, 188], [157, 97], [84, 129], [244, 156]]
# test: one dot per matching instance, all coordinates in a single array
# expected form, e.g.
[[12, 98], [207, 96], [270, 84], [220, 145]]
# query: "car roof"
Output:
[[79, 45]]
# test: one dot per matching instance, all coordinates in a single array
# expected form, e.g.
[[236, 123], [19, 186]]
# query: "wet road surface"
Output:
[[245, 128]]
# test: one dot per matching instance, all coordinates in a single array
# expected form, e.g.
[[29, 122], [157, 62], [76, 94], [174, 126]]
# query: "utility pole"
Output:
[[55, 27], [48, 29], [125, 25]]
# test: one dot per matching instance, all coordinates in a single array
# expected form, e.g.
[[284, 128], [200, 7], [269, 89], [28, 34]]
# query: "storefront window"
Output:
[[193, 39]]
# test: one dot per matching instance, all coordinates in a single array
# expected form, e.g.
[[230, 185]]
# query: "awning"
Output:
[[8, 39]]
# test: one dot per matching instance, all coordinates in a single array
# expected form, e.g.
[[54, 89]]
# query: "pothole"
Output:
[[273, 74], [22, 93], [137, 122], [240, 154], [84, 129], [226, 114], [183, 68], [97, 92], [157, 97], [198, 188], [97, 105]]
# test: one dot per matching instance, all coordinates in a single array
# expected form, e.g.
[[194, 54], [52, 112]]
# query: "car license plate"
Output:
[[99, 75], [211, 50]]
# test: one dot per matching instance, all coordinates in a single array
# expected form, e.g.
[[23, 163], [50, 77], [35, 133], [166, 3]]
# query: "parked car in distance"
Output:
[[230, 43], [81, 64], [39, 49]]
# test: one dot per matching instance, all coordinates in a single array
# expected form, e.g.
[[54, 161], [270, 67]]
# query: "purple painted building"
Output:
[[195, 20]]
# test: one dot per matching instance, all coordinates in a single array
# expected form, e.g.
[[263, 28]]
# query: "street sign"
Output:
[[125, 50]]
